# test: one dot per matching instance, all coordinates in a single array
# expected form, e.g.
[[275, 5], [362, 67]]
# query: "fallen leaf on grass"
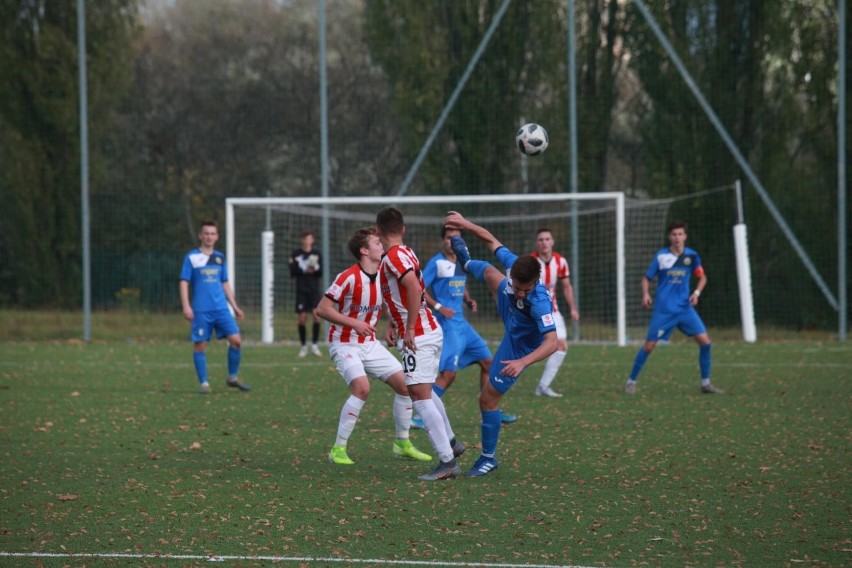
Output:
[[67, 497]]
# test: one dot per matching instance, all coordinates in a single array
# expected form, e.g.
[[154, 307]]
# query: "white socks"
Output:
[[348, 417], [402, 410], [439, 404], [551, 368], [428, 411]]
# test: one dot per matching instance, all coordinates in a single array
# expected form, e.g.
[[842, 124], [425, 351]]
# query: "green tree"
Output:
[[39, 137], [768, 71], [225, 103], [424, 48]]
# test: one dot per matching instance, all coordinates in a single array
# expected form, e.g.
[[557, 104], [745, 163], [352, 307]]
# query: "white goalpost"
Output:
[[267, 285], [261, 232]]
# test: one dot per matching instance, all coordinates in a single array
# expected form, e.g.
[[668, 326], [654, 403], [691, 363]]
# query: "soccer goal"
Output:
[[262, 233]]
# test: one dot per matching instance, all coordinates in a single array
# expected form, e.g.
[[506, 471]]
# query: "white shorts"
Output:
[[355, 360], [561, 330], [423, 366]]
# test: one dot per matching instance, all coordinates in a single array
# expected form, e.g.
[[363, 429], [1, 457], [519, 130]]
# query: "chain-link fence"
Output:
[[193, 102]]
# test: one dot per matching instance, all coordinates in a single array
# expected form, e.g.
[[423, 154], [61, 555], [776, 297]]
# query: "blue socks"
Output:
[[233, 361], [438, 390], [704, 360], [477, 269], [490, 431], [638, 363], [200, 360]]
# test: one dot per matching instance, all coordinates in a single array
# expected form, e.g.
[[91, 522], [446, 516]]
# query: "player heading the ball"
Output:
[[526, 308]]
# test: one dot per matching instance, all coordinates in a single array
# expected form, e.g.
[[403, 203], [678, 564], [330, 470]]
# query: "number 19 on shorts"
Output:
[[409, 362]]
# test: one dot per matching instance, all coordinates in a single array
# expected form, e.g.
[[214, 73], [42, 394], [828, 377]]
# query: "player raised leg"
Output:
[[526, 310]]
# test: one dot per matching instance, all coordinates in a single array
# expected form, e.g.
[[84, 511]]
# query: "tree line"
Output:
[[192, 102]]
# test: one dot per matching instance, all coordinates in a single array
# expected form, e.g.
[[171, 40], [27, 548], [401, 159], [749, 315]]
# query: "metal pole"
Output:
[[525, 176], [735, 152], [572, 149], [842, 301], [84, 172], [323, 65], [738, 190], [409, 177]]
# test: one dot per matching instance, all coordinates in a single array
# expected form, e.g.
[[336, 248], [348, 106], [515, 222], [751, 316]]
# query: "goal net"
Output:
[[262, 233]]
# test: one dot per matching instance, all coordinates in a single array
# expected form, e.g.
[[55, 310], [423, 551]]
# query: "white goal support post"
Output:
[[617, 238]]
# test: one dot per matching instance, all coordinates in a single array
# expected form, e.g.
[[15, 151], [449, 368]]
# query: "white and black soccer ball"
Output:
[[531, 139]]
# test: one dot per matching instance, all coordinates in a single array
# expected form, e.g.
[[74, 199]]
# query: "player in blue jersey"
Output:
[[463, 346], [674, 305], [526, 308], [204, 270]]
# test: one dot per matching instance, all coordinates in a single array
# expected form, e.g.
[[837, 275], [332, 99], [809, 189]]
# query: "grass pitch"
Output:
[[108, 452]]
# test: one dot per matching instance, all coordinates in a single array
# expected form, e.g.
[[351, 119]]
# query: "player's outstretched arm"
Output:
[[456, 220]]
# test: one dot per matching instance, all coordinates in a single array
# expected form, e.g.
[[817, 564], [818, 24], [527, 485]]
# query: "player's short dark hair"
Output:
[[676, 225], [541, 230], [360, 238], [390, 221], [526, 269], [307, 233], [209, 223], [446, 228]]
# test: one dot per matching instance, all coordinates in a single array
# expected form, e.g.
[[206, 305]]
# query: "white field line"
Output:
[[236, 558]]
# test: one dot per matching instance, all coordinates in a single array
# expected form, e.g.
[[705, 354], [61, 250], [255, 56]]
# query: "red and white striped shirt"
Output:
[[357, 295], [552, 272], [399, 261]]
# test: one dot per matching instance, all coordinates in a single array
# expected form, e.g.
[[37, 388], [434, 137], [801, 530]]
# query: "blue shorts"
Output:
[[502, 383], [662, 325], [204, 323], [462, 346]]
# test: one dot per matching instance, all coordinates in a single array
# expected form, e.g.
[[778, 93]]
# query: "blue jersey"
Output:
[[673, 273], [206, 274], [462, 345], [526, 320], [447, 281]]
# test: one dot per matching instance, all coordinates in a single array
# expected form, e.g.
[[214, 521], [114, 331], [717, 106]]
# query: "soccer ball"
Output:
[[531, 139]]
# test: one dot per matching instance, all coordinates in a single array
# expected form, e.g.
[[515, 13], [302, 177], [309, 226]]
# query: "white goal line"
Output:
[[238, 558]]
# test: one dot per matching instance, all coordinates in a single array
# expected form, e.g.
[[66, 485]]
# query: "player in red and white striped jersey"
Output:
[[399, 261], [418, 336], [358, 295], [353, 304], [554, 274]]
